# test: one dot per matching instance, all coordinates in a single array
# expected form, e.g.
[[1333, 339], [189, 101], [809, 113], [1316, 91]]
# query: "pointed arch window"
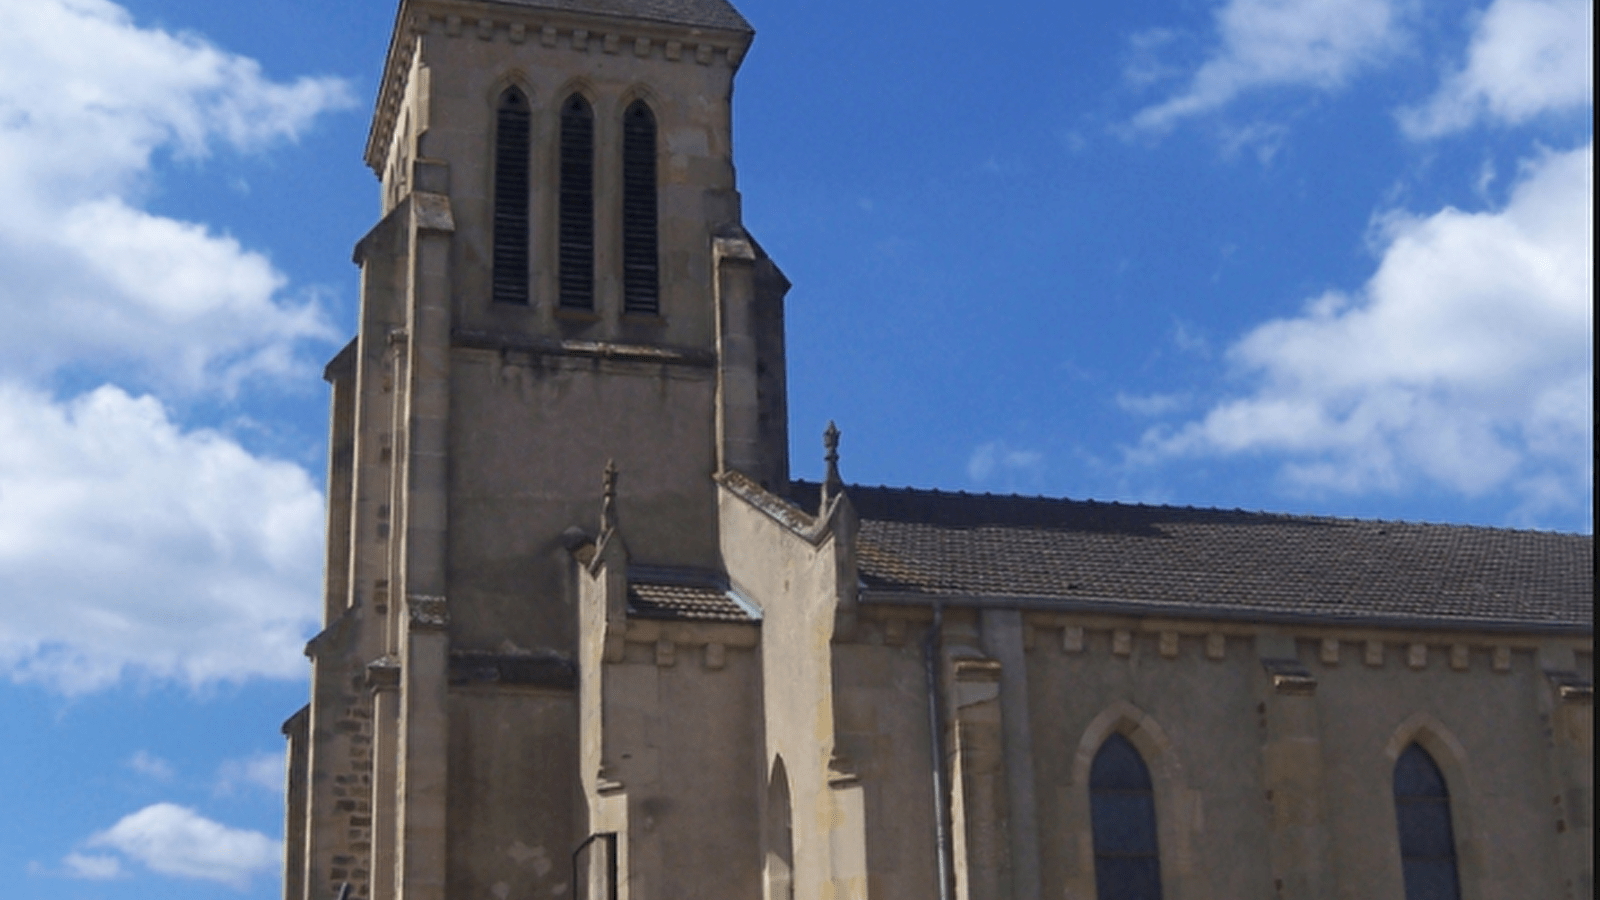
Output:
[[513, 121], [1427, 841], [1122, 807], [576, 254], [779, 836], [640, 274]]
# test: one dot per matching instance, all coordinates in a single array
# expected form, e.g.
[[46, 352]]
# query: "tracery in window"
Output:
[[1427, 841], [1127, 865], [513, 121]]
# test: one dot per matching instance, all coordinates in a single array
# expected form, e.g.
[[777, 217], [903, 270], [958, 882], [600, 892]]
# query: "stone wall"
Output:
[[1271, 750]]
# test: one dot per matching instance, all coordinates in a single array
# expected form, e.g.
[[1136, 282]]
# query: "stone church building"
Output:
[[683, 676]]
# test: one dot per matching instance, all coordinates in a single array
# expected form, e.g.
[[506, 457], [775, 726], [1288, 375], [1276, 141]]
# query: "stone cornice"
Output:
[[548, 28], [512, 345], [1329, 645], [1110, 606]]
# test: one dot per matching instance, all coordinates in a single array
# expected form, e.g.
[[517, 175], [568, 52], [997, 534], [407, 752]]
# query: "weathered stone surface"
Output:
[[572, 603]]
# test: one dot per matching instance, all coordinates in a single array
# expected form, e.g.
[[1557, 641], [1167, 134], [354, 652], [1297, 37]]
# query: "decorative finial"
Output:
[[608, 508], [832, 484]]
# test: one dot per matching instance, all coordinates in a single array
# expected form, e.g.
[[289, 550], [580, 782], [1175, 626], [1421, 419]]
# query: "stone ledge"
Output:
[[1572, 687], [1290, 677], [508, 343], [543, 670]]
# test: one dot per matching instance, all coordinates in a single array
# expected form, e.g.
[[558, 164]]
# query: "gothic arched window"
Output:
[[778, 834], [576, 254], [640, 278], [1122, 807], [1427, 842], [513, 120]]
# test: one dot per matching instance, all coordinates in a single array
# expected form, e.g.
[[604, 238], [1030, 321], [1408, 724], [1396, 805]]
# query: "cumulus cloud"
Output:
[[92, 866], [175, 840], [90, 275], [1527, 57], [1264, 43], [129, 545], [1465, 361]]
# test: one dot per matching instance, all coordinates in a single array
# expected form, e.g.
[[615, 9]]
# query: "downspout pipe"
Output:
[[607, 840], [941, 804]]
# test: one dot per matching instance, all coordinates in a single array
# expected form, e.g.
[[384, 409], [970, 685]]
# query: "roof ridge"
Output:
[[1191, 508]]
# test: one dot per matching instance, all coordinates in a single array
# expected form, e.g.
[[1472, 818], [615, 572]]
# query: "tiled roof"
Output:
[[1173, 561], [685, 601], [718, 14]]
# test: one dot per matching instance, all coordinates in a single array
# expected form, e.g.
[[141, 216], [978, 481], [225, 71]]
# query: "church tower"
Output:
[[559, 278], [584, 639]]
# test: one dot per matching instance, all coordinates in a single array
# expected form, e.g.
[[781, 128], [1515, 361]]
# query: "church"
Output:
[[585, 638]]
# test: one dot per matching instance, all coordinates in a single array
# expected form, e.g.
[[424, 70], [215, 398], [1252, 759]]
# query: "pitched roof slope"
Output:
[[1172, 561], [718, 14], [684, 602]]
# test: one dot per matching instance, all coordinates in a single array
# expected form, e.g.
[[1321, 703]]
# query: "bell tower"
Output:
[[559, 278], [576, 285]]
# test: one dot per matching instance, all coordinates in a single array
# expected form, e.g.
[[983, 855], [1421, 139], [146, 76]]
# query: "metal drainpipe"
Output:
[[941, 809], [608, 840]]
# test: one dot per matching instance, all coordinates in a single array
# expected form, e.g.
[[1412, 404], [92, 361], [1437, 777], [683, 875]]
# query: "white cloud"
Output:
[[1315, 43], [151, 766], [174, 840], [263, 770], [997, 459], [128, 545], [1466, 360], [93, 867], [1527, 57], [90, 276]]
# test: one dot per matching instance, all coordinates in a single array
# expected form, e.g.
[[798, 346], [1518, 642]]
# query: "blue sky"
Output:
[[1316, 256]]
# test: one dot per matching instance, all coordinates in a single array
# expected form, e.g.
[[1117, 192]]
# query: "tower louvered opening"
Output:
[[511, 163], [640, 274], [577, 204]]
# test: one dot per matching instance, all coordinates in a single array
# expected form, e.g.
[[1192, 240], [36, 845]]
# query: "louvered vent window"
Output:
[[1427, 842], [577, 204], [1122, 808], [511, 163], [640, 277]]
